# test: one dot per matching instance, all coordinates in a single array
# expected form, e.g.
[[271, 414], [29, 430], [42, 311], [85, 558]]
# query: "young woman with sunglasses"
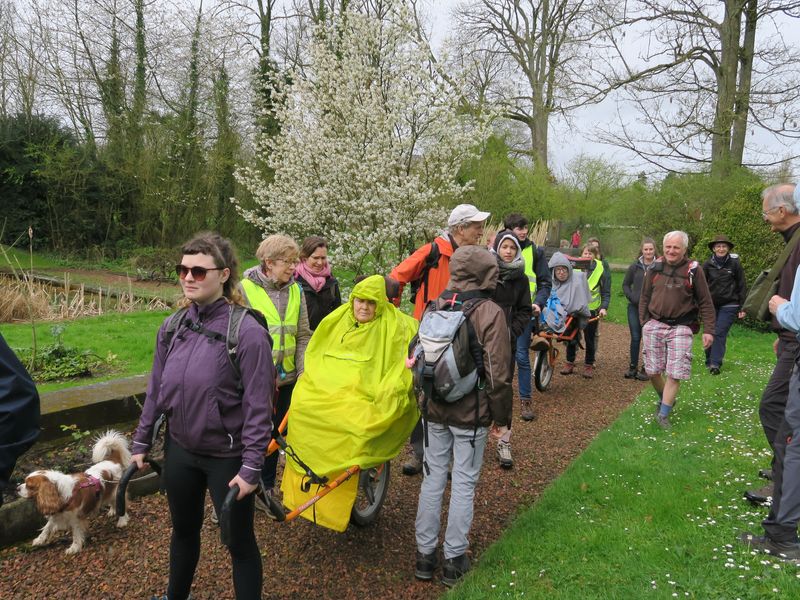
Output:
[[270, 288], [218, 421]]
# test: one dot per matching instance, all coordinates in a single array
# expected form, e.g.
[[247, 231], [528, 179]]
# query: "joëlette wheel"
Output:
[[373, 485]]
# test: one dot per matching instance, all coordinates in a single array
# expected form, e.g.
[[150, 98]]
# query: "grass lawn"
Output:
[[129, 336], [646, 513]]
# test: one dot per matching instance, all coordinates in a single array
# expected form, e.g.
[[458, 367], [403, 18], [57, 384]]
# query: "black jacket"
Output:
[[634, 278], [320, 304], [726, 283], [514, 297], [19, 412]]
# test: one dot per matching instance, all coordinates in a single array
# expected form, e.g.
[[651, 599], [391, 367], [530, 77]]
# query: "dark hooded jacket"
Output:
[[512, 293], [475, 268], [19, 412]]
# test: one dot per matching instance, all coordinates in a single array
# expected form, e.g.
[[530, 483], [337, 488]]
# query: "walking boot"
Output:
[[454, 569], [413, 466], [504, 454], [527, 413], [567, 369]]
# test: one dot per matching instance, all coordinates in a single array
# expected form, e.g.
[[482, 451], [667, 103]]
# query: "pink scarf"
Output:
[[314, 280]]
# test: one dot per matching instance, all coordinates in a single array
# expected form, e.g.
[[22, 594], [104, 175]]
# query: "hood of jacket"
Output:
[[473, 268], [560, 259], [372, 288]]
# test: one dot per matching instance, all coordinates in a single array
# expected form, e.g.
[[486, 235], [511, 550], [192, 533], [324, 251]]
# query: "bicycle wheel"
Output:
[[372, 487], [543, 372]]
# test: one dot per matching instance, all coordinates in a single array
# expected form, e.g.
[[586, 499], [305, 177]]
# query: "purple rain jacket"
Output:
[[196, 386]]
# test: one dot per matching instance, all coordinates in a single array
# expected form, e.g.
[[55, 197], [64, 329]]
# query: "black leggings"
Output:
[[282, 403], [187, 476]]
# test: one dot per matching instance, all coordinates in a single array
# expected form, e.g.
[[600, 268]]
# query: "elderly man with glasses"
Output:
[[779, 211], [780, 403]]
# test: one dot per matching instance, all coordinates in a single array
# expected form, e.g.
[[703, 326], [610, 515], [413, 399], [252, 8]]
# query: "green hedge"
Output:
[[740, 219]]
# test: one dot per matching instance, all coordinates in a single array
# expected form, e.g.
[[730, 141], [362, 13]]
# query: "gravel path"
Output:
[[305, 561]]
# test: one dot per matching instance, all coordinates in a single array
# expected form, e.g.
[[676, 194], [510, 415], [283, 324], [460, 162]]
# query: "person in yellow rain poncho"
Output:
[[354, 404]]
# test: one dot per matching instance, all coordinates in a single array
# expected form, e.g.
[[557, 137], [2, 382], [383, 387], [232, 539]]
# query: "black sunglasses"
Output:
[[198, 273]]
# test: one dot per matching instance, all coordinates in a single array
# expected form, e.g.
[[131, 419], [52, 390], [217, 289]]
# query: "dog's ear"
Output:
[[48, 500]]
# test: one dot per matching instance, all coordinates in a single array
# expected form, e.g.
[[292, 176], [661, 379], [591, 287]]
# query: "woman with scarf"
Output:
[[513, 295], [728, 288], [320, 287], [632, 288]]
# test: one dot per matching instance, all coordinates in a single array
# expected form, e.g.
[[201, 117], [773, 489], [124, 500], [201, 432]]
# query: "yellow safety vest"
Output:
[[529, 256], [594, 284], [283, 330]]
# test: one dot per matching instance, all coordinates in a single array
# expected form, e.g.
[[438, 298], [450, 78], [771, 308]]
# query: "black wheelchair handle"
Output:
[[122, 488], [225, 534]]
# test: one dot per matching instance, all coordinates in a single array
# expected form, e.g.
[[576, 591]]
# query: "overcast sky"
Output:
[[581, 137]]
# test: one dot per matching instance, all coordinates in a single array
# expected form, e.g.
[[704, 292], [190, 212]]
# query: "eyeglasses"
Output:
[[765, 213], [198, 273], [293, 262]]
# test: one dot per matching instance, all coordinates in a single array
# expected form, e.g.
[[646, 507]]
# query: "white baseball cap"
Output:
[[464, 213]]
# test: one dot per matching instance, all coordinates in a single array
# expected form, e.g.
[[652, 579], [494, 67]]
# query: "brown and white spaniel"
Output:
[[69, 500]]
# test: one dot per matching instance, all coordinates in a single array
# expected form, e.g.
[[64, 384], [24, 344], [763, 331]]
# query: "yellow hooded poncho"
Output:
[[354, 404]]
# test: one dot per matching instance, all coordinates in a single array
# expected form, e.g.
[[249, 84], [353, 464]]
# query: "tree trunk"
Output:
[[726, 70], [742, 108]]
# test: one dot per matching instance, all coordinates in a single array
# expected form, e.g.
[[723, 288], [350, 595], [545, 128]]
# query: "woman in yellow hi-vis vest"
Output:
[[270, 288], [599, 280]]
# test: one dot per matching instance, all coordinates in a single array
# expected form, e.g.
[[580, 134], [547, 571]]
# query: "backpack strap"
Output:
[[476, 350], [431, 262], [174, 322]]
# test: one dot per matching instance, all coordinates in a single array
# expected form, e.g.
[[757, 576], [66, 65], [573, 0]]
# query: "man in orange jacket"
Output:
[[432, 266]]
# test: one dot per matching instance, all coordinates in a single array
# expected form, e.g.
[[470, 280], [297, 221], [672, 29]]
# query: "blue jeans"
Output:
[[522, 356], [726, 315], [635, 328]]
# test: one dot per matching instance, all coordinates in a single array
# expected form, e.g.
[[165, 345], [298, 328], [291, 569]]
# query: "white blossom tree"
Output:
[[370, 145]]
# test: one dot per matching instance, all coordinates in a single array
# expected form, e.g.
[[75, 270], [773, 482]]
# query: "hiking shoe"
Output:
[[413, 466], [504, 454], [426, 565], [765, 474], [630, 373], [527, 413], [588, 371], [568, 369], [713, 370], [762, 495], [789, 551], [642, 375], [663, 421], [454, 569], [262, 500], [539, 343]]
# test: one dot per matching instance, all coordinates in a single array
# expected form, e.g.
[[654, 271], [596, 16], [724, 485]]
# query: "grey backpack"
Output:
[[446, 357]]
